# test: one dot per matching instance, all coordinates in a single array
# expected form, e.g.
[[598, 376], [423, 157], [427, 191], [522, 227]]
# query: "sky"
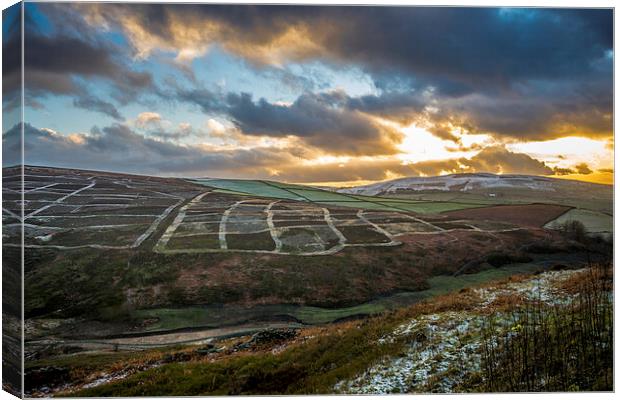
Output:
[[311, 94]]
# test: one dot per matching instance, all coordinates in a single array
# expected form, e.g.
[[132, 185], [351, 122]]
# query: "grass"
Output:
[[115, 236], [251, 241], [317, 315], [367, 205], [11, 325], [362, 234], [79, 368], [594, 222], [215, 315], [444, 284], [206, 241], [176, 318], [319, 195], [233, 192], [324, 356], [598, 199], [434, 207], [257, 188], [314, 367]]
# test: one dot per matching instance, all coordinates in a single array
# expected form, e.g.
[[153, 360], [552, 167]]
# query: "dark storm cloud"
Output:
[[11, 57], [321, 118], [480, 47], [499, 159], [51, 63], [563, 171], [528, 114], [314, 118], [396, 105], [206, 100], [94, 104], [454, 46], [531, 111], [55, 62]]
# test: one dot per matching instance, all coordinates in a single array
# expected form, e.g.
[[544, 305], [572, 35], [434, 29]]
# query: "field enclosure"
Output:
[[218, 222], [71, 209], [67, 209]]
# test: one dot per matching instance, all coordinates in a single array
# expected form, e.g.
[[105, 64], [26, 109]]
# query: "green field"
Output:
[[257, 188], [594, 222], [329, 198]]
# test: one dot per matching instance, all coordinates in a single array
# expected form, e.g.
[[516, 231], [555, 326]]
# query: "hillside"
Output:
[[118, 263], [467, 341]]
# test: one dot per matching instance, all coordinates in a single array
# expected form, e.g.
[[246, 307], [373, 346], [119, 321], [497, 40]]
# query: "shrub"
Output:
[[574, 230], [555, 348]]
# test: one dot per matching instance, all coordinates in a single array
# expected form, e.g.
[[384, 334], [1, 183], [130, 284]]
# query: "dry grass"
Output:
[[558, 347], [506, 302]]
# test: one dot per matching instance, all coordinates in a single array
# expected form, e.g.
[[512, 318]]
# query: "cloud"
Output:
[[94, 104], [494, 160], [148, 118], [312, 118], [11, 56], [117, 147], [466, 45], [527, 113], [532, 112], [515, 75], [498, 159], [152, 124], [583, 169], [562, 171]]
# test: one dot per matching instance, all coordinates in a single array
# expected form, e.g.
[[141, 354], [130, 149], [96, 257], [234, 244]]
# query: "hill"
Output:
[[472, 182]]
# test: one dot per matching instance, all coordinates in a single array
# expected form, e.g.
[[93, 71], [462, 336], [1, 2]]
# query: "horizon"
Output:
[[319, 95], [342, 185]]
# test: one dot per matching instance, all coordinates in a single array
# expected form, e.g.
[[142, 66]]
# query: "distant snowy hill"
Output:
[[472, 182]]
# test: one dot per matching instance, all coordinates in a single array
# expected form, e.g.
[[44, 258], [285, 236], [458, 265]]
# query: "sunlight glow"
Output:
[[421, 145], [568, 151]]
